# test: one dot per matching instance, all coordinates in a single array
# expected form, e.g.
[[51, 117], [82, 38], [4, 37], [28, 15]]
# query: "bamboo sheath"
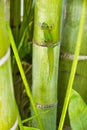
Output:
[[44, 91], [70, 25], [8, 115]]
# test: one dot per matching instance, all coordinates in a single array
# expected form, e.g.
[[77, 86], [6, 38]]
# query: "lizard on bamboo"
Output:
[[49, 43]]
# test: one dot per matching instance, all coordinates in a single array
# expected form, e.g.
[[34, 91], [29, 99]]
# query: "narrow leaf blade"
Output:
[[30, 128]]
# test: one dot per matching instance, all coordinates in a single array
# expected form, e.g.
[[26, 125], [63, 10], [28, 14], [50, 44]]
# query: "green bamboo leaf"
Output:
[[77, 112], [30, 128]]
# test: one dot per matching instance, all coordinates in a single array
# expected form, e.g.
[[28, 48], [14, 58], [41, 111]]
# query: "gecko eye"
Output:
[[44, 25]]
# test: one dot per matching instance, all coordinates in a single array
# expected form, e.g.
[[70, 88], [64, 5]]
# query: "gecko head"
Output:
[[44, 26]]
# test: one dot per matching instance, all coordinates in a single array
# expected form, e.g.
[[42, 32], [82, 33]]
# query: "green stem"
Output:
[[45, 60], [33, 117], [73, 70], [4, 18], [15, 18], [22, 73], [7, 100]]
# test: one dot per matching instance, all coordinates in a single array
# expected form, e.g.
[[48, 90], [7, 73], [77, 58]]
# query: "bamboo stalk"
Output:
[[8, 117], [15, 23], [15, 18], [3, 34], [72, 14], [45, 62], [74, 66]]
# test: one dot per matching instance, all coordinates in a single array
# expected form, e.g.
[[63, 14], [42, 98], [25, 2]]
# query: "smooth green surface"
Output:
[[43, 90], [77, 112], [8, 114], [7, 103], [4, 18], [48, 118], [72, 15]]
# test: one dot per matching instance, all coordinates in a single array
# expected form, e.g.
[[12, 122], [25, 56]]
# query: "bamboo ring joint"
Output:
[[46, 106], [45, 45], [71, 56], [5, 57], [15, 125]]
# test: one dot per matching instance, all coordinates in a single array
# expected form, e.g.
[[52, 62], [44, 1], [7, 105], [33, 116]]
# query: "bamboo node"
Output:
[[46, 45], [5, 57], [42, 106], [71, 56], [15, 125]]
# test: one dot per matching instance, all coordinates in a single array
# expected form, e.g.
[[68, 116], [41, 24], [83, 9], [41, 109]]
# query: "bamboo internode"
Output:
[[7, 99], [15, 125]]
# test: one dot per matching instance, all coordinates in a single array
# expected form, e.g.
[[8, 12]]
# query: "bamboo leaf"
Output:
[[22, 73], [30, 128], [33, 117], [77, 112]]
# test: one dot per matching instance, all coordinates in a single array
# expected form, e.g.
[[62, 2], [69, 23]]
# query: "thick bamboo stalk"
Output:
[[72, 14], [3, 34], [45, 71], [8, 117]]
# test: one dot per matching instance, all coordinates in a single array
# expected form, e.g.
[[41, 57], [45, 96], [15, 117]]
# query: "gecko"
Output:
[[49, 43]]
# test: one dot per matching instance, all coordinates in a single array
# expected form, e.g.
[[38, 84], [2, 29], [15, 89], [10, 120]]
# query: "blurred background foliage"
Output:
[[21, 22]]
